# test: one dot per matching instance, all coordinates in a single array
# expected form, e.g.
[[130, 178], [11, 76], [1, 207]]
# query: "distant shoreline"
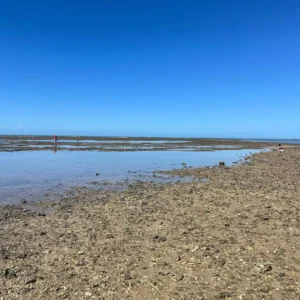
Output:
[[124, 144]]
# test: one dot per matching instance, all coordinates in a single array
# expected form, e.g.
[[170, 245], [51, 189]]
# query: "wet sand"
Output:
[[107, 144], [235, 236]]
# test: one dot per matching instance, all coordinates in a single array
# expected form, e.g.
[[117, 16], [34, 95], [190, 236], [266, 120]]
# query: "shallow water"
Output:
[[108, 145], [33, 175], [275, 141], [97, 141]]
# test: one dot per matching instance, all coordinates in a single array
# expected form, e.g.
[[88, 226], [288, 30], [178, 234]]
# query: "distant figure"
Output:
[[55, 138], [77, 139], [280, 148]]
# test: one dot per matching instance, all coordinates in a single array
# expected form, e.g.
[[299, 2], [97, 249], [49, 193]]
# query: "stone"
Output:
[[31, 280], [265, 290], [127, 276], [225, 295], [160, 238], [268, 268], [109, 236], [10, 273], [180, 277]]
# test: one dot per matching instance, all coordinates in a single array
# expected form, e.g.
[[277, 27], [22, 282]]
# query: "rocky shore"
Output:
[[234, 236], [114, 144]]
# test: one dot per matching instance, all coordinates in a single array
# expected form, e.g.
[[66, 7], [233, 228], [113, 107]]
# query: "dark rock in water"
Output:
[[221, 164], [23, 201], [97, 174]]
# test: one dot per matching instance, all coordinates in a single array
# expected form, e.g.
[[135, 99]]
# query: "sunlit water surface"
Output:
[[34, 175]]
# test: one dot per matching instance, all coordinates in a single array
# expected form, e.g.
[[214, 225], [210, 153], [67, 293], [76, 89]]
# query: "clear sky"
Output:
[[218, 68]]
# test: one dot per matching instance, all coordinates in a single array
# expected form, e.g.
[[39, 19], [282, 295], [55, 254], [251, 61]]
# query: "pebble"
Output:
[[31, 280], [109, 236], [265, 290], [180, 277], [224, 295], [268, 269]]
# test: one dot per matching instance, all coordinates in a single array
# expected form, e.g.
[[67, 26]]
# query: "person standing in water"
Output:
[[55, 138]]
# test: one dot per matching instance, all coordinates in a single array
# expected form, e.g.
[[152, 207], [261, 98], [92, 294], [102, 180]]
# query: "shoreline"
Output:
[[114, 144], [235, 236]]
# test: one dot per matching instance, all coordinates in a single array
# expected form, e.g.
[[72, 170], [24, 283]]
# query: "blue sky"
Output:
[[164, 68]]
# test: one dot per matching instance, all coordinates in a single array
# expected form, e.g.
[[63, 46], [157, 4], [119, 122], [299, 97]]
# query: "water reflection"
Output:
[[55, 148], [30, 174]]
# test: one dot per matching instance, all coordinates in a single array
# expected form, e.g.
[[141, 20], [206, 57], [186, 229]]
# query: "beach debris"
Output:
[[221, 164]]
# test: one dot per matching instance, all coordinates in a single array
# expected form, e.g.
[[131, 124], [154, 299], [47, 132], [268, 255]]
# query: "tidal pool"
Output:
[[34, 175]]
